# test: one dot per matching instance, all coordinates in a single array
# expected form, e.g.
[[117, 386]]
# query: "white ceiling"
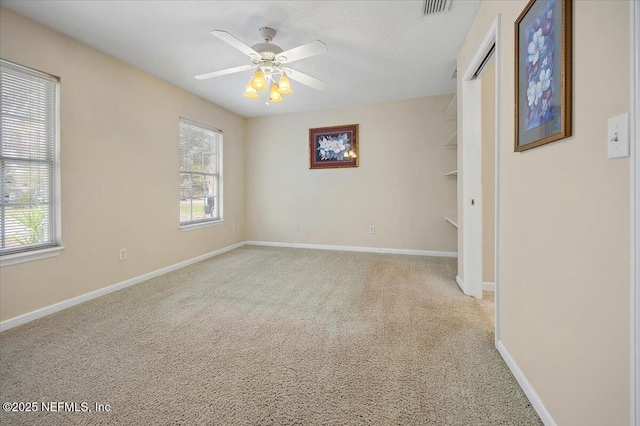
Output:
[[378, 50]]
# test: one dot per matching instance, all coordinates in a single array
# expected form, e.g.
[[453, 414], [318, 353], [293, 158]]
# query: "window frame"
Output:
[[219, 197], [54, 248]]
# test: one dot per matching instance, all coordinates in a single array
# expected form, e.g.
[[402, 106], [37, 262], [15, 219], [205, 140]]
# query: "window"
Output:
[[200, 173], [29, 215]]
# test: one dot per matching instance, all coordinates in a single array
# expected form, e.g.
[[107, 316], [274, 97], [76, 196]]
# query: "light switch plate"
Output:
[[618, 136]]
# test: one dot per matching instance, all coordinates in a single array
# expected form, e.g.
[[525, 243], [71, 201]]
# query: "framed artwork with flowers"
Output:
[[543, 73], [333, 147]]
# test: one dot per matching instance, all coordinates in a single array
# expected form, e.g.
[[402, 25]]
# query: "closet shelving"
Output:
[[451, 113], [452, 219], [452, 142], [452, 110]]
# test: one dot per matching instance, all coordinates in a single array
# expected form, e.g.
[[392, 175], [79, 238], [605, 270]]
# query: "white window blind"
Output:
[[27, 159], [200, 173]]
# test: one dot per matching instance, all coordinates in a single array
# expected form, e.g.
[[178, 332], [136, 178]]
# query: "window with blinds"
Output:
[[28, 139], [200, 173]]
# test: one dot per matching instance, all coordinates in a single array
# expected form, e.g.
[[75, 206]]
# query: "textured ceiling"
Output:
[[378, 50]]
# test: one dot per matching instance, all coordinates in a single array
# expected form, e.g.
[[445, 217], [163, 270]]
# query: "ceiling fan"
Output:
[[270, 60]]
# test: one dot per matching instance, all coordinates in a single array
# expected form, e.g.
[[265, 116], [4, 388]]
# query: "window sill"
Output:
[[201, 225], [29, 256]]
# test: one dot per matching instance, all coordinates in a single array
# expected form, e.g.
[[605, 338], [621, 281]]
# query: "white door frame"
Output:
[[491, 38], [634, 112]]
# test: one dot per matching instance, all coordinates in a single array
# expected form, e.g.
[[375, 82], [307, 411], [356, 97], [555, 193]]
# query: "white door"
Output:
[[472, 187]]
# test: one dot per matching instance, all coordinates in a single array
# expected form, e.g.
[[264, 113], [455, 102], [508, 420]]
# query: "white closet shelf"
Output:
[[452, 110], [452, 142], [452, 219], [452, 174]]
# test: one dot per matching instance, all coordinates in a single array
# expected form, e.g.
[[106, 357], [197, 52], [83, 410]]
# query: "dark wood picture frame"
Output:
[[543, 71], [334, 147]]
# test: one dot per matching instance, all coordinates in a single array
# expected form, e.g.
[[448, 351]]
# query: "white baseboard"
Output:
[[460, 283], [488, 286], [531, 394], [353, 248], [485, 286], [56, 307]]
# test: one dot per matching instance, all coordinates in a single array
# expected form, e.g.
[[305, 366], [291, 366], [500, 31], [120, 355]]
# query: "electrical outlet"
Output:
[[372, 229], [296, 227], [235, 228], [123, 254]]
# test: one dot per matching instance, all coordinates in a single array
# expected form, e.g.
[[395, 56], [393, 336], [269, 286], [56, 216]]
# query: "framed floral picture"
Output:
[[543, 73], [333, 147]]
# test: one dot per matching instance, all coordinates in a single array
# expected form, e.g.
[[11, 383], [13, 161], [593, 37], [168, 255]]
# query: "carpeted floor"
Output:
[[271, 336]]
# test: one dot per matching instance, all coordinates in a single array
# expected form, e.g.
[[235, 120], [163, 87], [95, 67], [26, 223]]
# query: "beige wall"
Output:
[[119, 155], [564, 209], [399, 186], [487, 79]]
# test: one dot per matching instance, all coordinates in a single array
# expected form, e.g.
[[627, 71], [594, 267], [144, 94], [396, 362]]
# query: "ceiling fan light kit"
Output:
[[270, 60], [250, 92], [285, 85], [259, 82], [275, 95]]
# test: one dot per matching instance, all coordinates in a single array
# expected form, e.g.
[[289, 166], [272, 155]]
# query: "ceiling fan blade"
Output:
[[306, 79], [234, 42], [224, 72], [314, 48]]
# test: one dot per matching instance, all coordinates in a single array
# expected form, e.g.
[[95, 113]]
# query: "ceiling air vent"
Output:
[[436, 6]]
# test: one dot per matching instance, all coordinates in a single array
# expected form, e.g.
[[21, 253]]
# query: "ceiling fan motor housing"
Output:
[[267, 50], [267, 61]]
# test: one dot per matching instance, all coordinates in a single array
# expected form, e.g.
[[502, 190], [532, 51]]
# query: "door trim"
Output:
[[634, 112]]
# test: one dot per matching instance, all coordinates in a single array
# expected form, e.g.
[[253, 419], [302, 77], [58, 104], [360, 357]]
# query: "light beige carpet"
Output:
[[271, 336]]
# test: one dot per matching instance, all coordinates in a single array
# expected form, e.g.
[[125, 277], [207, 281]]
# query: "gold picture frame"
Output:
[[543, 71]]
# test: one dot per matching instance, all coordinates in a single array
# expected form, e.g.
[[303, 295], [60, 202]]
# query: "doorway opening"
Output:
[[486, 74], [480, 172]]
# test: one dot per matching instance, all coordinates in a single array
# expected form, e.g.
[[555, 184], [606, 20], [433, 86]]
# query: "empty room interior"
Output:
[[342, 212]]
